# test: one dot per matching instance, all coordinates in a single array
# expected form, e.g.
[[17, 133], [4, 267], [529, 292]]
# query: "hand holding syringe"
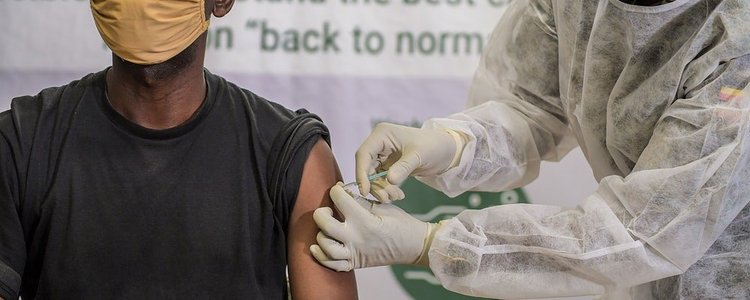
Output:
[[353, 190]]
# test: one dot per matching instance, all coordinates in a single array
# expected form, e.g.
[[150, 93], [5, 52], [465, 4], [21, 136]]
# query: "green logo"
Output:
[[428, 204]]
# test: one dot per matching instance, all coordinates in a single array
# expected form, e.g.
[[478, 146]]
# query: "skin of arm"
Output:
[[307, 278]]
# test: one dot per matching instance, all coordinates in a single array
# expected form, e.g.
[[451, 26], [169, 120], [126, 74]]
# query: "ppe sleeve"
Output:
[[12, 244], [515, 119], [687, 186]]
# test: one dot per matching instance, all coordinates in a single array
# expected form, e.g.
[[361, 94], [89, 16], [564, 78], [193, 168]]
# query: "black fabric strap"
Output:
[[295, 134]]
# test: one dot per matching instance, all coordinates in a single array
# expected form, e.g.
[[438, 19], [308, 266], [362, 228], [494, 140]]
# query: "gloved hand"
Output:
[[404, 151], [370, 236]]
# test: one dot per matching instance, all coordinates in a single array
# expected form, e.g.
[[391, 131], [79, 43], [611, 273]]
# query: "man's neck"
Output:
[[156, 102]]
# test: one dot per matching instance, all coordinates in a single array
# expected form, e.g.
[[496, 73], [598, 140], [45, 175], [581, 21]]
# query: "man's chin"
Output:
[[153, 74]]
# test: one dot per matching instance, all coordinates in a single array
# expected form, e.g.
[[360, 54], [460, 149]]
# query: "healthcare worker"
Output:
[[657, 99]]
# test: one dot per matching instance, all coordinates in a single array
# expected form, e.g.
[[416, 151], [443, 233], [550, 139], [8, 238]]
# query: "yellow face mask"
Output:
[[148, 32]]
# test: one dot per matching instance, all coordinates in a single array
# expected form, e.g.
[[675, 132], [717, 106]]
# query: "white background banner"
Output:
[[353, 62]]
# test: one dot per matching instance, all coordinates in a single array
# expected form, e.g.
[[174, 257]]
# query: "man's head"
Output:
[[156, 38]]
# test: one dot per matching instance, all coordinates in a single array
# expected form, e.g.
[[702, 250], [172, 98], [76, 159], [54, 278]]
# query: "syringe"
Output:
[[369, 178], [353, 189]]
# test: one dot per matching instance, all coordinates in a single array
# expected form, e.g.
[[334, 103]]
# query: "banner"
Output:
[[353, 62]]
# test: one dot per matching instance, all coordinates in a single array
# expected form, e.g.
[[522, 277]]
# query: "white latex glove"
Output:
[[404, 151], [370, 236]]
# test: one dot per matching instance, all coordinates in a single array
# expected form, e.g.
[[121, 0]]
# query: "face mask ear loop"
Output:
[[206, 16]]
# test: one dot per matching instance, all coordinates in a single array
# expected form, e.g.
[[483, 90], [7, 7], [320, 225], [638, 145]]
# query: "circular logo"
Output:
[[430, 205]]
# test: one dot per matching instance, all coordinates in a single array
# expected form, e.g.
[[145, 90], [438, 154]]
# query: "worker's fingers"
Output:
[[377, 189], [363, 164], [323, 259], [394, 192], [399, 192], [369, 155], [333, 248], [380, 194], [347, 206], [386, 192], [404, 167], [323, 217]]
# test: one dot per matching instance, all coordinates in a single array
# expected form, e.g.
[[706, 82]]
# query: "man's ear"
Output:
[[222, 7]]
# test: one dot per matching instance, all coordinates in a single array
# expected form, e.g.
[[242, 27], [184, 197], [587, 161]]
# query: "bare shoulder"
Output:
[[308, 279]]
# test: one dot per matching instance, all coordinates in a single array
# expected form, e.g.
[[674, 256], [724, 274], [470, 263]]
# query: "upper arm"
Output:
[[308, 279], [515, 117]]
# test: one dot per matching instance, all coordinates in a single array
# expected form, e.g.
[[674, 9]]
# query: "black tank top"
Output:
[[96, 207]]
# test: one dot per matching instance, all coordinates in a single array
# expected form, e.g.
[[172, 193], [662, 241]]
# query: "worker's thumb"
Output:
[[400, 170]]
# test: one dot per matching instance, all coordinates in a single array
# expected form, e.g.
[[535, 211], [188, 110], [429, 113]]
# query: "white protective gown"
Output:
[[658, 99]]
